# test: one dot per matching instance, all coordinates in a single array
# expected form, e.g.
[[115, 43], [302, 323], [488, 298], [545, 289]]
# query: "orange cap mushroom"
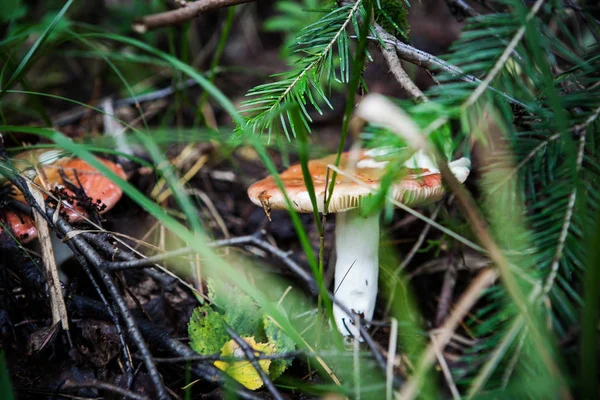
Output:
[[417, 187], [47, 169], [357, 237], [21, 226]]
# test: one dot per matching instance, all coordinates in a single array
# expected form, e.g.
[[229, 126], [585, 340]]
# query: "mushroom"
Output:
[[71, 176], [357, 236]]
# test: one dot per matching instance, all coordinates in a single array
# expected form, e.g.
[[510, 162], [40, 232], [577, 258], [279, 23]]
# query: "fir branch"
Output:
[[481, 88], [428, 61], [318, 41], [558, 254], [471, 295], [504, 57], [495, 358], [524, 161]]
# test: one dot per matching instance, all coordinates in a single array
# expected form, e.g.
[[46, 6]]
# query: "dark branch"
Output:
[[461, 9], [107, 387], [249, 352], [431, 62]]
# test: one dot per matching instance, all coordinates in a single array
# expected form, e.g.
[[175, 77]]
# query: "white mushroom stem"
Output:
[[356, 268]]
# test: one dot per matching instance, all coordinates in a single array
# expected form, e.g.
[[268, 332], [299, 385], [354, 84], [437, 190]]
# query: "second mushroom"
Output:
[[357, 236]]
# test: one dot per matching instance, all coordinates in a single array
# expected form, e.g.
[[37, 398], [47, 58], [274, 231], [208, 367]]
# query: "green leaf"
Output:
[[268, 108], [207, 331], [283, 344], [240, 311]]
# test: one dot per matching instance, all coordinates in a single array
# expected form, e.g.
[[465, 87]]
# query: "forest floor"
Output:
[[41, 361]]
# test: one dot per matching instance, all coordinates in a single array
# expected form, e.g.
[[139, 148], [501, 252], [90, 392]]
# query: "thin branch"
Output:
[[84, 306], [411, 254], [389, 372], [105, 386], [174, 17], [64, 228], [57, 301], [431, 62], [461, 8], [389, 53], [588, 121], [445, 369], [249, 352], [447, 291], [413, 251], [278, 356], [512, 365], [577, 128]]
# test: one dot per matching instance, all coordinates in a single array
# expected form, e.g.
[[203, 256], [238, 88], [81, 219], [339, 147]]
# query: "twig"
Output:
[[159, 338], [429, 61], [249, 352], [57, 301], [389, 53], [445, 369], [524, 161], [461, 8], [465, 303], [254, 239], [577, 128], [512, 365], [174, 17], [64, 228], [95, 384], [446, 292], [389, 372], [411, 255], [219, 357]]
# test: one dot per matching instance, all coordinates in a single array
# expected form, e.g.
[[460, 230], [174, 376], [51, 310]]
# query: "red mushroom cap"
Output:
[[21, 225], [100, 190], [418, 186]]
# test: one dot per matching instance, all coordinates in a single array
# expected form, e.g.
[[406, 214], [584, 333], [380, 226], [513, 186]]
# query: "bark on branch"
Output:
[[174, 17]]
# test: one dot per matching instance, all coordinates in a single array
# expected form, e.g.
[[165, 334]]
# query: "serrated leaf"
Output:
[[241, 313], [283, 344], [207, 331]]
